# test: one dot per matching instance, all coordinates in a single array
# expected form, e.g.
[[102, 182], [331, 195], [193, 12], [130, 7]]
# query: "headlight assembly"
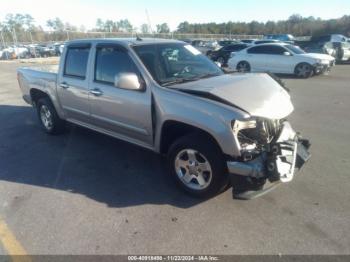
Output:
[[238, 125]]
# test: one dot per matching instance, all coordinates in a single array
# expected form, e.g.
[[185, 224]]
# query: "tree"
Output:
[[100, 25], [125, 25], [55, 24], [70, 27], [110, 26], [28, 21], [145, 29], [163, 28]]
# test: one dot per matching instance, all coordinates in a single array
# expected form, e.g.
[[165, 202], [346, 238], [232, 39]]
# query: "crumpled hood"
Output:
[[257, 94], [319, 56]]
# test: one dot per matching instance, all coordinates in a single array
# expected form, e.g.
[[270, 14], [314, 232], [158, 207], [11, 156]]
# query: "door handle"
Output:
[[64, 85], [96, 92]]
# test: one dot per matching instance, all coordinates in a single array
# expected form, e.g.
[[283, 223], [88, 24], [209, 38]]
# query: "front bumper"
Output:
[[323, 68], [286, 155]]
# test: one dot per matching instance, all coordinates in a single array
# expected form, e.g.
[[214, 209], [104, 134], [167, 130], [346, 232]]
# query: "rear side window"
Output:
[[275, 50], [257, 50], [267, 49], [233, 48], [111, 61], [76, 61]]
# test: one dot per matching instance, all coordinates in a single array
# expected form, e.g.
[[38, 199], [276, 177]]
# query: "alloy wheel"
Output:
[[193, 169], [46, 117]]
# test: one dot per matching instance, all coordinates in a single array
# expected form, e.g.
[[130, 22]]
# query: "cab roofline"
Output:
[[124, 41]]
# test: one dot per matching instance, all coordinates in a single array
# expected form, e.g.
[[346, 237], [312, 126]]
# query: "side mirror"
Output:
[[287, 54], [128, 81]]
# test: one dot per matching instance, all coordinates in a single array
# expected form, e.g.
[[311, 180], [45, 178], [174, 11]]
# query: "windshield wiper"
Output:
[[178, 81], [185, 80], [207, 75]]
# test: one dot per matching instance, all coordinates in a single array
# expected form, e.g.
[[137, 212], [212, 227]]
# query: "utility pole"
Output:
[[31, 40], [15, 42], [2, 40], [149, 21], [4, 44]]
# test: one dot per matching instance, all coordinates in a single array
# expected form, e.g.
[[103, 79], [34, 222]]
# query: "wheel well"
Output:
[[301, 63], [173, 130], [243, 61], [36, 94]]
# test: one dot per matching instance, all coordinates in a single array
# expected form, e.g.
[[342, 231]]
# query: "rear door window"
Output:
[[275, 50], [258, 50], [76, 62], [234, 48]]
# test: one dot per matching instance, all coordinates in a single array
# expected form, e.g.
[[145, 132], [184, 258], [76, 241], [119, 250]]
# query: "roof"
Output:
[[124, 41], [272, 43]]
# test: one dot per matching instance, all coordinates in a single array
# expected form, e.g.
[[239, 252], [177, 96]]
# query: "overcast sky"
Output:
[[85, 12]]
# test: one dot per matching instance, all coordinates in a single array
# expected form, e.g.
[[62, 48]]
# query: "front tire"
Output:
[[48, 117], [303, 70], [197, 164]]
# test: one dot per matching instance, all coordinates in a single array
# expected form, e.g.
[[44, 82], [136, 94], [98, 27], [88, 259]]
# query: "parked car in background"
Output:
[[166, 96], [329, 38], [223, 54], [61, 48], [205, 46], [15, 51], [280, 58], [281, 37], [41, 50], [56, 47], [7, 54], [248, 41], [320, 48], [342, 51], [339, 50], [223, 43], [266, 41]]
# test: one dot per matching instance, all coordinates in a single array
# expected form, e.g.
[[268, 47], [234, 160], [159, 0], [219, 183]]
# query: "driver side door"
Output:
[[121, 112]]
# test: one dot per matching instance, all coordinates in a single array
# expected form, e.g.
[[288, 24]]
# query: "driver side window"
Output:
[[111, 61]]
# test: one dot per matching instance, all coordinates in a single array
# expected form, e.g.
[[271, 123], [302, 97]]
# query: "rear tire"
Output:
[[303, 70], [198, 166], [48, 117], [243, 67]]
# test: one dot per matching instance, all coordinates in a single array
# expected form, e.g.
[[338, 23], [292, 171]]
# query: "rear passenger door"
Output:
[[257, 57], [72, 85], [232, 48], [121, 112]]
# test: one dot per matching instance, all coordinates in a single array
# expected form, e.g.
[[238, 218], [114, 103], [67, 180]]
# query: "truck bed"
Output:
[[39, 77]]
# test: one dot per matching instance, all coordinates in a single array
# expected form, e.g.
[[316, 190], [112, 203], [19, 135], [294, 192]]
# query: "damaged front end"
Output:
[[271, 153]]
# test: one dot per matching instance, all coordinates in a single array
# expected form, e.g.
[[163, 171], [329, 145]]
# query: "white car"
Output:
[[280, 58]]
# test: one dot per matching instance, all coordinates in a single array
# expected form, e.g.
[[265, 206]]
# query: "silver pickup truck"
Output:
[[164, 95]]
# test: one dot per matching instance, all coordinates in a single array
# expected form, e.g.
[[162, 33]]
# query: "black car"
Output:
[[223, 54], [248, 41], [227, 42]]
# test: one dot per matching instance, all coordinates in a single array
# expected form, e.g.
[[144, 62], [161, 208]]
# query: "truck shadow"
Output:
[[83, 162]]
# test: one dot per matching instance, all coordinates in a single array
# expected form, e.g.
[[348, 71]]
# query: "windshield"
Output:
[[176, 63], [295, 49]]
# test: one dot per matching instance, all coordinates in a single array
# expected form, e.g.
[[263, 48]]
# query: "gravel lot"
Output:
[[86, 193]]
